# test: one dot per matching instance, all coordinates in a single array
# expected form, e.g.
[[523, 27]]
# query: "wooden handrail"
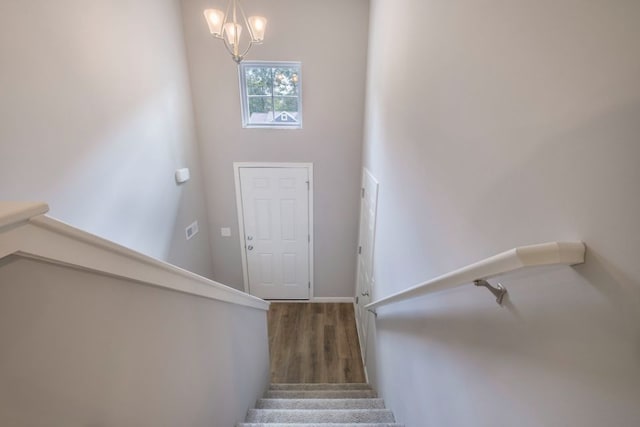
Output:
[[552, 253]]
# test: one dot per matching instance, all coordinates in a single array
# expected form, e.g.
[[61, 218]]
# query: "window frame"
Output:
[[244, 96]]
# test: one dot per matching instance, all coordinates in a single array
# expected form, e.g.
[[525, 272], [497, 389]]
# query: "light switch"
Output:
[[225, 232]]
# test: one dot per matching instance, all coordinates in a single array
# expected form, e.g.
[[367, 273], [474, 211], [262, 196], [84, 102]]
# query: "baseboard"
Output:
[[334, 299], [318, 300]]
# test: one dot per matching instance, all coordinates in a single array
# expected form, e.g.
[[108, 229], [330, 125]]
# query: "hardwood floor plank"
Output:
[[312, 358], [353, 343], [331, 312], [314, 343]]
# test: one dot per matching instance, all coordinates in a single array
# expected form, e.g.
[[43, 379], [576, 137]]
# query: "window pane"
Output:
[[259, 80], [285, 80], [286, 104], [260, 109]]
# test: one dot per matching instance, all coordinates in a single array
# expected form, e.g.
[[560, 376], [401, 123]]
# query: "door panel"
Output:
[[275, 206], [368, 212]]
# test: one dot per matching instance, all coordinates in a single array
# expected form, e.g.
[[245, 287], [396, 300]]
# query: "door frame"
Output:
[[241, 234]]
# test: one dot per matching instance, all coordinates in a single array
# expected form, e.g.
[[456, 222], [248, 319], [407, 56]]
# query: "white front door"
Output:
[[368, 212], [275, 214]]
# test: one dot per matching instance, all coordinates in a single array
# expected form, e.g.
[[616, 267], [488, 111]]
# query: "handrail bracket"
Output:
[[498, 291]]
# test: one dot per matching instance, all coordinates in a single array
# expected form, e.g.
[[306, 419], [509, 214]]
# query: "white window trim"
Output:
[[244, 107]]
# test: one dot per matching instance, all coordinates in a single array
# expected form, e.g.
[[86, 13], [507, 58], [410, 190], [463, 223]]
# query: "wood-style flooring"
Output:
[[314, 343]]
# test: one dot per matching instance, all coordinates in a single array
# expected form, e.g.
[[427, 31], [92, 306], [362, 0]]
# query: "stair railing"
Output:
[[26, 231], [551, 253]]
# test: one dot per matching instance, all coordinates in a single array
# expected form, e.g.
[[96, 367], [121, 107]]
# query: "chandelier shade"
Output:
[[215, 19], [257, 25]]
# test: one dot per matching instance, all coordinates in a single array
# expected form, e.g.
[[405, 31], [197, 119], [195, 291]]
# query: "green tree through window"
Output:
[[271, 94]]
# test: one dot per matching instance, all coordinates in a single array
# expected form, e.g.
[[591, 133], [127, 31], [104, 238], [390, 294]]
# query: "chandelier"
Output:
[[228, 26]]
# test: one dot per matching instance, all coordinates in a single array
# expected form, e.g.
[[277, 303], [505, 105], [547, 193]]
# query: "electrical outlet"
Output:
[[225, 232], [191, 230]]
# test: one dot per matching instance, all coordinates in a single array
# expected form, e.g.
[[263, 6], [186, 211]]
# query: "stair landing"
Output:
[[314, 343]]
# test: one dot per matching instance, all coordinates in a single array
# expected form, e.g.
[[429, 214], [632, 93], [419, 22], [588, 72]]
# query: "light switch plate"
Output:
[[191, 230], [225, 232]]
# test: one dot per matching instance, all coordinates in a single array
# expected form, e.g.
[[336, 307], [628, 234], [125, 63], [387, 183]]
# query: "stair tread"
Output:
[[320, 415], [320, 404], [320, 394], [320, 386]]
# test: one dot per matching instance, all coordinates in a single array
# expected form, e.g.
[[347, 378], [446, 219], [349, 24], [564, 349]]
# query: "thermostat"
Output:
[[182, 175]]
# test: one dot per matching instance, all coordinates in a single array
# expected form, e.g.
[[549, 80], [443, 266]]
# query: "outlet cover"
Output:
[[191, 230], [225, 232]]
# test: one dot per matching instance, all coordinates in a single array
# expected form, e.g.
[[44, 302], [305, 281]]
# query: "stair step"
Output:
[[320, 394], [320, 404], [319, 425], [320, 416], [321, 386]]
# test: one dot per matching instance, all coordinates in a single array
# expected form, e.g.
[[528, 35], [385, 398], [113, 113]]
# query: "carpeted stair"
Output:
[[320, 405]]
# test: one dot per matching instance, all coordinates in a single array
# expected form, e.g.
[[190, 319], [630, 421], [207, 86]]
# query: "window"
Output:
[[271, 94]]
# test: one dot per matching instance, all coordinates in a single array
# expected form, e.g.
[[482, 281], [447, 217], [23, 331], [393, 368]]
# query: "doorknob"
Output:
[[250, 247], [365, 294]]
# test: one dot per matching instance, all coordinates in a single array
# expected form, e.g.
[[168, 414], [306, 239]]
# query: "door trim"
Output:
[[241, 234]]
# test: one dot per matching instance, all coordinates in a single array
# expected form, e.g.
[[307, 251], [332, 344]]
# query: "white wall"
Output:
[[96, 115], [332, 47], [79, 349], [489, 125]]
